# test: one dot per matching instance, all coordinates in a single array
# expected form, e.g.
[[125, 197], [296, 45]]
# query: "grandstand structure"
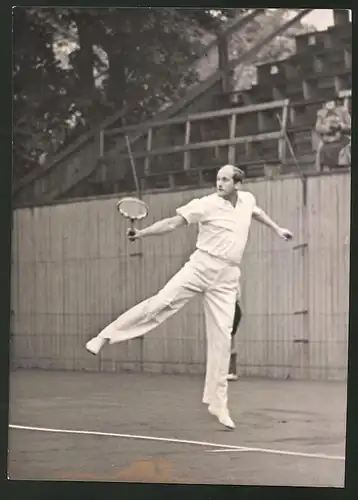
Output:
[[267, 127]]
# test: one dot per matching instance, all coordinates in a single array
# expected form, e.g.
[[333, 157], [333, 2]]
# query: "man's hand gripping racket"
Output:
[[133, 209]]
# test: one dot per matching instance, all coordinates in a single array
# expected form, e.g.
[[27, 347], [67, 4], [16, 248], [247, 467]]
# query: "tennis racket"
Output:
[[133, 209]]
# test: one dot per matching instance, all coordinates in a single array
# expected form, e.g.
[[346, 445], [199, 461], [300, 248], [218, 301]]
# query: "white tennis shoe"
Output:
[[223, 416], [95, 345]]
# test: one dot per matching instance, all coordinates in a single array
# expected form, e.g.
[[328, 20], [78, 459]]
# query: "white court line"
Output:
[[127, 436], [282, 452], [219, 447]]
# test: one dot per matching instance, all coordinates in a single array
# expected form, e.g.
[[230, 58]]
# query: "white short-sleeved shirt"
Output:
[[223, 228]]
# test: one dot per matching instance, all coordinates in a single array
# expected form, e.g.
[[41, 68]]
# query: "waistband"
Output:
[[216, 258]]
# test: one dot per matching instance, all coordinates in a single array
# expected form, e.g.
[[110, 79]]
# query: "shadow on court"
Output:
[[291, 432]]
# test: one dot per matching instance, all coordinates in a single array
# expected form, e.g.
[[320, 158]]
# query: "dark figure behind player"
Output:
[[233, 356]]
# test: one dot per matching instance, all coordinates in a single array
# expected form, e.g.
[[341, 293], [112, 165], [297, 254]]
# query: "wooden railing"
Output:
[[204, 140]]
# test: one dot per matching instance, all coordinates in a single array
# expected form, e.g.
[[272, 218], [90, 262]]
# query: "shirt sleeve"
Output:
[[193, 211], [256, 210]]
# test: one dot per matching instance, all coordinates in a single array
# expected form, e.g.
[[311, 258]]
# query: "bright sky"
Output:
[[321, 18]]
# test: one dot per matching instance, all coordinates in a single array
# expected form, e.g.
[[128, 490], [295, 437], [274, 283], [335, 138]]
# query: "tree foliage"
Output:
[[38, 81], [73, 67]]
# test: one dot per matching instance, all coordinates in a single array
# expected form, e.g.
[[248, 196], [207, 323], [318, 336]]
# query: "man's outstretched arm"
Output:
[[161, 227], [260, 216], [190, 213]]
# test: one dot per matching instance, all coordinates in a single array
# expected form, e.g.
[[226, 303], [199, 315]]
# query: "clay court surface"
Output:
[[289, 433]]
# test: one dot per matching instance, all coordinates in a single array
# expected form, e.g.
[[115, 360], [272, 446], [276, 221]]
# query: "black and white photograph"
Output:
[[180, 247]]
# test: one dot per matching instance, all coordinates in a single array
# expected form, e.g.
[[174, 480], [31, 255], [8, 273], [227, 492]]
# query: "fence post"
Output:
[[101, 143], [187, 141], [282, 142], [232, 150], [149, 148]]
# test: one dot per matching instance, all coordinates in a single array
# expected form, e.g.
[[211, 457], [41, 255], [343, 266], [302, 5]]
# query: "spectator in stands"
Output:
[[333, 125]]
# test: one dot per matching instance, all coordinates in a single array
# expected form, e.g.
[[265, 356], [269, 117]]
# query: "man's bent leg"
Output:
[[150, 313]]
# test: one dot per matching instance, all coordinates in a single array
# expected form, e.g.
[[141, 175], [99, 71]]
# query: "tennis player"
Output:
[[224, 219]]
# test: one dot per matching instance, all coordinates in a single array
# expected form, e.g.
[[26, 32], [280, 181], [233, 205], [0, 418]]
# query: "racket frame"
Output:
[[127, 216]]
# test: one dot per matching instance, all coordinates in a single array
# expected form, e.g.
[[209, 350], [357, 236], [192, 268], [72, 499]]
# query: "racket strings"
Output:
[[133, 209]]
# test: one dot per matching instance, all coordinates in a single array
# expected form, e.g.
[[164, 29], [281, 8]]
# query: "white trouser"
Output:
[[218, 281]]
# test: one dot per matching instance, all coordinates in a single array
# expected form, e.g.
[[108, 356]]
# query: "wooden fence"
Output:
[[74, 271]]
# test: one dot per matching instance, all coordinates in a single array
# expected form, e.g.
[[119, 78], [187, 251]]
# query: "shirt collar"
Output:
[[225, 202]]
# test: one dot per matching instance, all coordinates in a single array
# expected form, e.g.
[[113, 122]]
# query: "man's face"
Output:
[[225, 186]]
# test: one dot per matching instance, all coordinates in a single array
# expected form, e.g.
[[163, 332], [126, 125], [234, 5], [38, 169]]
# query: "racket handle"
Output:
[[131, 232]]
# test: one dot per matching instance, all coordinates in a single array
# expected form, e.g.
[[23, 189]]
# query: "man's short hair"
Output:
[[238, 174]]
